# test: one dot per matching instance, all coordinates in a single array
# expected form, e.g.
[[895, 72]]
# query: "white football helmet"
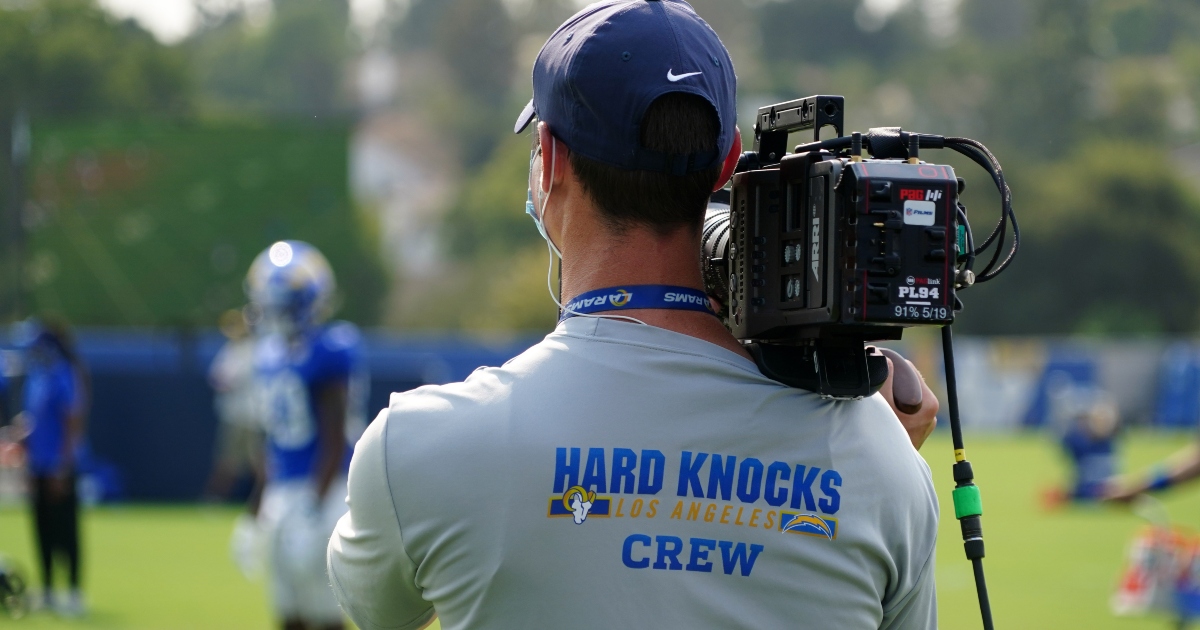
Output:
[[292, 285]]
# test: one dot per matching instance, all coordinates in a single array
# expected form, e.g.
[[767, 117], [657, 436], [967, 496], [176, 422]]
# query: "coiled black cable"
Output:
[[980, 154], [883, 143]]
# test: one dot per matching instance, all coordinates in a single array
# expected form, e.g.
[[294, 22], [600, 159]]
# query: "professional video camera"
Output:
[[816, 252]]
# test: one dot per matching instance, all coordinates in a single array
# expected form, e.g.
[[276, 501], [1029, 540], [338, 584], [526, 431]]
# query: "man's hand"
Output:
[[909, 396]]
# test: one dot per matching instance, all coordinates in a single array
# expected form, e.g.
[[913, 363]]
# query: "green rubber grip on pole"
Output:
[[967, 501]]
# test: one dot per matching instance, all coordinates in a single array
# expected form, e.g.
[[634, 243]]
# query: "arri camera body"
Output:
[[814, 253], [820, 250]]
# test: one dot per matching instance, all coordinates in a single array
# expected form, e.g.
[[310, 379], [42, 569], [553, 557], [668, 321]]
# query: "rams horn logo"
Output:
[[579, 502], [809, 524], [621, 298]]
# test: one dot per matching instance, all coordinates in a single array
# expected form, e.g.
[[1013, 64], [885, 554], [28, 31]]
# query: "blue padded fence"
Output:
[[152, 412]]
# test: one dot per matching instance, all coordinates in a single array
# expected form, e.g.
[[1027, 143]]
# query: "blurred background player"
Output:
[[4, 387], [313, 397], [1090, 444], [239, 446], [55, 403], [1087, 422]]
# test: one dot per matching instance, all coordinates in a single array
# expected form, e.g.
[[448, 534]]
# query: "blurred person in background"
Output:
[[1088, 431], [1090, 443], [13, 477], [313, 389], [55, 404], [239, 446], [4, 386]]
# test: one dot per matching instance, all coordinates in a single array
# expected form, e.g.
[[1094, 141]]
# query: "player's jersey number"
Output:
[[288, 415]]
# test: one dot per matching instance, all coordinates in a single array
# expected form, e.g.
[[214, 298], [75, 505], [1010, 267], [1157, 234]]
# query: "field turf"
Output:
[[168, 567]]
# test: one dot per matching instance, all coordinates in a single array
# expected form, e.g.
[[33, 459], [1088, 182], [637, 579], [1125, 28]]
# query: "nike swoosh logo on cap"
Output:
[[673, 78]]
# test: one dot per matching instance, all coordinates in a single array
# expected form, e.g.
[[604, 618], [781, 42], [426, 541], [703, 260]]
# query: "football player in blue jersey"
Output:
[[55, 405], [312, 404]]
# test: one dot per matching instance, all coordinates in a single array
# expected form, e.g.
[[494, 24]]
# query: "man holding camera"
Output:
[[635, 467]]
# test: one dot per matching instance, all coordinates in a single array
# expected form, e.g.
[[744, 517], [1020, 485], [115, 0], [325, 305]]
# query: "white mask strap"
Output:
[[546, 197], [553, 250]]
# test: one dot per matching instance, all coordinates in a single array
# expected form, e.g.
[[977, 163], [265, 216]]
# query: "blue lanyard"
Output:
[[638, 296]]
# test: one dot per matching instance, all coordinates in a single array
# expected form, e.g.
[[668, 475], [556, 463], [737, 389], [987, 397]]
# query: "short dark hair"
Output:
[[675, 123]]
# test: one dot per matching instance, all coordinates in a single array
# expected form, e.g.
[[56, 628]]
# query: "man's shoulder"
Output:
[[870, 427], [487, 386], [462, 409], [869, 442]]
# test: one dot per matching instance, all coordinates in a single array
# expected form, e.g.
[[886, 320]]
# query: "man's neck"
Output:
[[598, 258]]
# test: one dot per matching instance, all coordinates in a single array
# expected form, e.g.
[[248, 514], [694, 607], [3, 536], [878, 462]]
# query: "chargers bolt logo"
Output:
[[808, 524]]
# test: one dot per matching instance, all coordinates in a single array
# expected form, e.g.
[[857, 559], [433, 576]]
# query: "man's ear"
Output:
[[554, 157], [731, 160]]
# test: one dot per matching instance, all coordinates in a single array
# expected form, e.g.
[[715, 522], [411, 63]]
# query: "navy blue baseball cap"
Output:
[[601, 70]]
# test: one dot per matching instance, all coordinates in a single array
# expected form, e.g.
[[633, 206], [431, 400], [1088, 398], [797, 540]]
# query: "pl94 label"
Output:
[[919, 293]]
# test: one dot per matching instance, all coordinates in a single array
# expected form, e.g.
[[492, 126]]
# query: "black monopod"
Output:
[[968, 506]]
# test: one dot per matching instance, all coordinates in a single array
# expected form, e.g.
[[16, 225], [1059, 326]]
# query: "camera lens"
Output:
[[718, 252]]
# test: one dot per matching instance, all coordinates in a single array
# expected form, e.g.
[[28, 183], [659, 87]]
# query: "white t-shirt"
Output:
[[232, 375], [618, 475]]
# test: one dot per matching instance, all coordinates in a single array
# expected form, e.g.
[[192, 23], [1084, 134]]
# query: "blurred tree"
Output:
[[227, 55], [818, 32], [69, 58], [516, 293], [304, 52], [487, 221], [1109, 248], [476, 39], [1041, 81], [155, 223], [474, 45], [294, 64], [1148, 27], [997, 22]]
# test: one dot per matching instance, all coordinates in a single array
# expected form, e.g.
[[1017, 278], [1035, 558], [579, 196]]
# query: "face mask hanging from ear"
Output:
[[552, 250], [531, 209]]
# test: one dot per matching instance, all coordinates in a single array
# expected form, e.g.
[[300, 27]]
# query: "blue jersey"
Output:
[[1094, 461], [50, 395], [292, 374]]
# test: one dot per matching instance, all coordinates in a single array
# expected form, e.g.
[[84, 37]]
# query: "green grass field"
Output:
[[168, 567]]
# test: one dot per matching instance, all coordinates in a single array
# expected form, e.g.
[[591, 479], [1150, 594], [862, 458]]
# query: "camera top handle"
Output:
[[775, 122]]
